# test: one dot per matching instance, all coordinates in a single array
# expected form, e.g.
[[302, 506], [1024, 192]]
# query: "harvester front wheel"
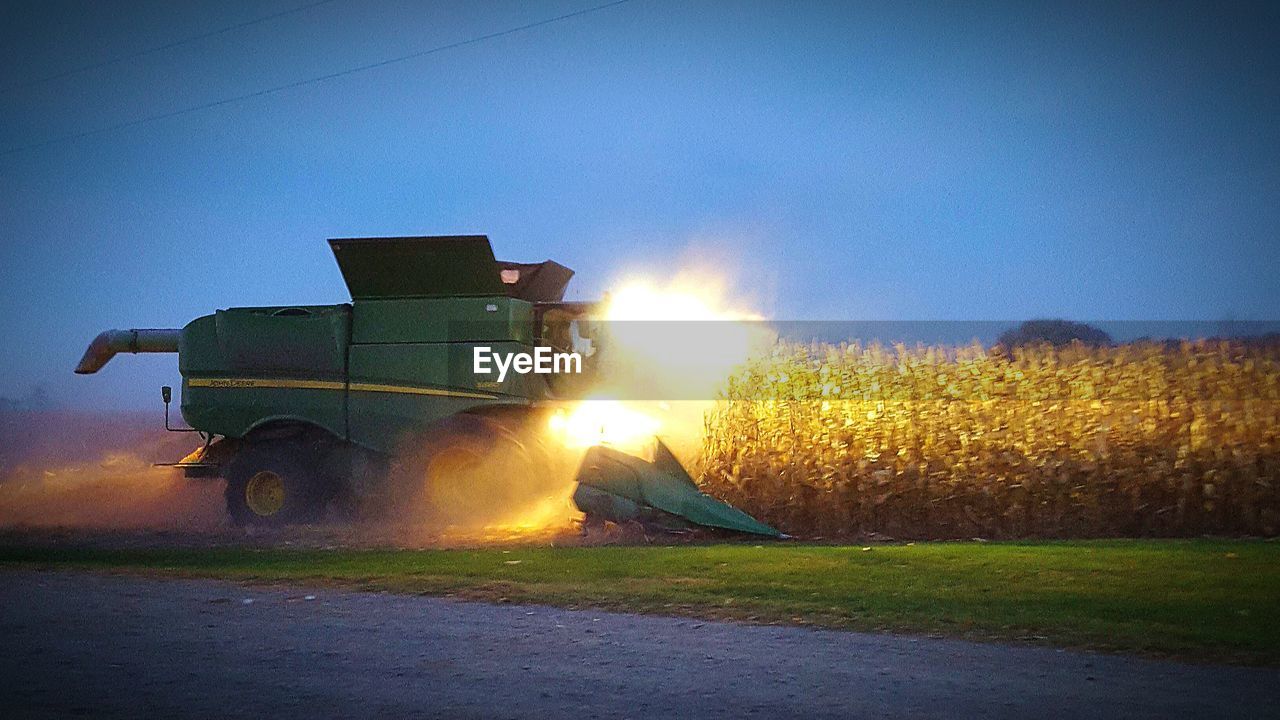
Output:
[[276, 482]]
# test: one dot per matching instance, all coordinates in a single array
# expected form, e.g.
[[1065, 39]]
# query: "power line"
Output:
[[160, 48], [308, 81]]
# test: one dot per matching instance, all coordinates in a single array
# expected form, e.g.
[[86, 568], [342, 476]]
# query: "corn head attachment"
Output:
[[613, 485]]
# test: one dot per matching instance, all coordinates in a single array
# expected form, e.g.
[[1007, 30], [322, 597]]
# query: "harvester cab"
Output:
[[310, 407]]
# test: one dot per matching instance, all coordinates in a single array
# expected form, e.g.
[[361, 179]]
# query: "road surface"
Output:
[[119, 646]]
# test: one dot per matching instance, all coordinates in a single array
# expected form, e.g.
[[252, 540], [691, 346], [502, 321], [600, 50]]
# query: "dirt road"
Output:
[[115, 646]]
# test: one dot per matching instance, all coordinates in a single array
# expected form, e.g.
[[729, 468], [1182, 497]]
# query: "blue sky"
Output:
[[850, 160]]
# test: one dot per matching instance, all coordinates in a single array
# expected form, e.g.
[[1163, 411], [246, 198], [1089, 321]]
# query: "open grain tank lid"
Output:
[[442, 266]]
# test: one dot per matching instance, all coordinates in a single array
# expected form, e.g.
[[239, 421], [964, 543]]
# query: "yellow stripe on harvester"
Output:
[[410, 390], [292, 384]]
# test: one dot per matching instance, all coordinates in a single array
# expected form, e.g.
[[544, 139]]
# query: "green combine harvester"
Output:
[[308, 408]]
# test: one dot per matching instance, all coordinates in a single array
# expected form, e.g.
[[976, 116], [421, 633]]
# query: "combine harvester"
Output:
[[307, 408]]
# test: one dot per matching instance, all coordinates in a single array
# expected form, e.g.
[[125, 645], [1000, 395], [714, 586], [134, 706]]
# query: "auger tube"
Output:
[[109, 342]]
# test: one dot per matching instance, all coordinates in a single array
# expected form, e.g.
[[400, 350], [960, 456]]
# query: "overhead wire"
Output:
[[162, 48], [308, 81]]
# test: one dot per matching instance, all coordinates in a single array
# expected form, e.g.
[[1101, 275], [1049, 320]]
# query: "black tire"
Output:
[[459, 443], [278, 482], [472, 470]]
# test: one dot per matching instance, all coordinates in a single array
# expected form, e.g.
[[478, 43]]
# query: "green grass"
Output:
[[1197, 599]]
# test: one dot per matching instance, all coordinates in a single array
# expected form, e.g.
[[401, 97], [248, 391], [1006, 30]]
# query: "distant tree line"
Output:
[[1053, 332], [1060, 333]]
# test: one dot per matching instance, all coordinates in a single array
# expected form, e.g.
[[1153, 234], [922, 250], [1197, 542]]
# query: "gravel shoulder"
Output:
[[126, 646]]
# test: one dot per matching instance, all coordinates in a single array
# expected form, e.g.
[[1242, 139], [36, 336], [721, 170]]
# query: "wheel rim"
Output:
[[265, 493]]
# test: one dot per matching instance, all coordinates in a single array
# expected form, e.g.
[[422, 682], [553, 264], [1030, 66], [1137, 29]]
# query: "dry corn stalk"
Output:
[[932, 442]]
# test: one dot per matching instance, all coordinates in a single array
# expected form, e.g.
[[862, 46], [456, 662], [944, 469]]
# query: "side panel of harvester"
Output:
[[419, 310], [411, 362], [371, 373], [245, 367], [394, 362]]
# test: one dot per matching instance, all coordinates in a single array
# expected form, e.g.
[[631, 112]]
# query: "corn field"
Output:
[[931, 442]]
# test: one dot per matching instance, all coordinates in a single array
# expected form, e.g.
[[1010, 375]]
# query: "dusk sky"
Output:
[[842, 160]]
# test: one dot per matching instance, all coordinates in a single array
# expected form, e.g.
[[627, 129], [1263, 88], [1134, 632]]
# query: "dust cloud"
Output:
[[94, 471], [509, 485]]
